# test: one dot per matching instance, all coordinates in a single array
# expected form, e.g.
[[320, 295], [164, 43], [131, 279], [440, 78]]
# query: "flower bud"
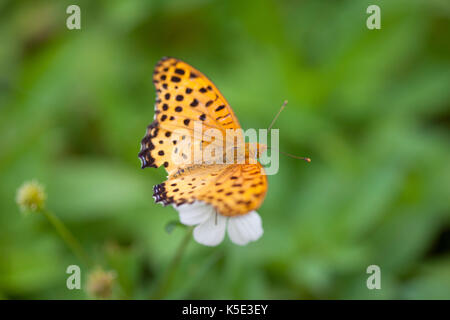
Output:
[[31, 196], [100, 284]]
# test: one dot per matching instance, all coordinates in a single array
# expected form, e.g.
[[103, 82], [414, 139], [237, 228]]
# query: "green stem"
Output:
[[67, 236], [198, 276], [164, 285]]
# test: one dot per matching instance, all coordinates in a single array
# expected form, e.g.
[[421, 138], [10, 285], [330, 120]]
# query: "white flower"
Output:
[[210, 225]]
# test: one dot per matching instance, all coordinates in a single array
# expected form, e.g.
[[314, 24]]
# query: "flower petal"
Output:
[[194, 213], [246, 228], [212, 231]]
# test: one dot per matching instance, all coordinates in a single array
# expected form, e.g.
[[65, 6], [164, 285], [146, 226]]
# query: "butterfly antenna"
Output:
[[270, 127], [276, 117], [296, 157], [292, 156]]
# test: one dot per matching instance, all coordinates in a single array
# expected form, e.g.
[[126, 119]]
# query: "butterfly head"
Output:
[[254, 150]]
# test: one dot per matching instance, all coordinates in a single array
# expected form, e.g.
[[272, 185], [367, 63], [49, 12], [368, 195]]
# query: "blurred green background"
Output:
[[371, 109]]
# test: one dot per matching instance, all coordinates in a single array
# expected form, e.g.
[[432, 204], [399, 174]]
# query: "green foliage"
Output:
[[371, 109]]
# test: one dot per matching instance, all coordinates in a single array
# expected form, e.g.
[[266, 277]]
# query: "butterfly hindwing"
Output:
[[231, 189]]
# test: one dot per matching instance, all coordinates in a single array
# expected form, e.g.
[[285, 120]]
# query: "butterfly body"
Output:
[[188, 170], [186, 99]]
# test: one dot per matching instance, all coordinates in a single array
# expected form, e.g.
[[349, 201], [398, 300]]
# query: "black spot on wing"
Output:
[[160, 194], [147, 146]]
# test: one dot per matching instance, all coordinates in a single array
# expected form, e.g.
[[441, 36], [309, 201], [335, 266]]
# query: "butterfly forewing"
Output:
[[184, 96]]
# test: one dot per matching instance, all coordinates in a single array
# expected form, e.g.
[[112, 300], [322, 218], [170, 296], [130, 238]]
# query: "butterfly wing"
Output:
[[232, 189], [184, 95]]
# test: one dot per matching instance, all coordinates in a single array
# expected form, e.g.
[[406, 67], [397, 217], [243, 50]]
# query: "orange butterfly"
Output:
[[214, 196]]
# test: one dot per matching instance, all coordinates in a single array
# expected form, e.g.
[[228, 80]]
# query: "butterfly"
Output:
[[186, 96]]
